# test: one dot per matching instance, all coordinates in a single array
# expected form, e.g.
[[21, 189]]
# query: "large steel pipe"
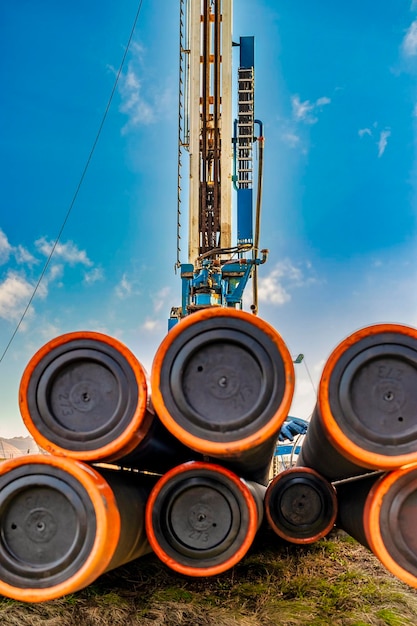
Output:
[[222, 383], [300, 505], [366, 412], [63, 524], [201, 518], [380, 512], [85, 395]]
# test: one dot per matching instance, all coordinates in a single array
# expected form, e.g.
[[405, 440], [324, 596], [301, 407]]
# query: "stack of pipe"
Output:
[[183, 471], [189, 462], [360, 451], [64, 523]]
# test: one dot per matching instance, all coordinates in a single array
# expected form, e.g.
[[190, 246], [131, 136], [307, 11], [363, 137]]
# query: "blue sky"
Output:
[[336, 88]]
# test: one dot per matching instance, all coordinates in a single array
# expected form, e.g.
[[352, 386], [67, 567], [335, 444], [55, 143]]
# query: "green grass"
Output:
[[335, 582]]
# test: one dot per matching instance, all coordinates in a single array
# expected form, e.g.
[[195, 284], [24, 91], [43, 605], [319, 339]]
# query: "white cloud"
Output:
[[138, 51], [55, 271], [301, 110], [5, 248], [68, 252], [161, 302], [20, 253], [320, 102], [383, 140], [151, 325], [142, 102], [383, 136], [48, 330], [133, 103], [15, 291], [276, 287], [124, 289], [306, 111], [128, 287], [131, 82], [410, 40], [161, 299], [271, 290], [23, 256], [291, 139], [93, 276]]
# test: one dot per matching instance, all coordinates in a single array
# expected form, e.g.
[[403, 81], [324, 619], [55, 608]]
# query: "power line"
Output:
[[309, 375], [80, 182]]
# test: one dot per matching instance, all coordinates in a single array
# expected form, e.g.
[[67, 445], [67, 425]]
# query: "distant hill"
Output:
[[27, 445], [17, 446]]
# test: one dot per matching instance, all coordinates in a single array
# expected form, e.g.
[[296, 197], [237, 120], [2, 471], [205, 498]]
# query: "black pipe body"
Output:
[[351, 497], [318, 453]]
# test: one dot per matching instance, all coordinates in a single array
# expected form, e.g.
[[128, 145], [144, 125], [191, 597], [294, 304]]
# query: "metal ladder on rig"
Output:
[[245, 124]]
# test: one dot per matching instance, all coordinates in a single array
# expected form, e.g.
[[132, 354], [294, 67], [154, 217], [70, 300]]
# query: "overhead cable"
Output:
[[74, 197]]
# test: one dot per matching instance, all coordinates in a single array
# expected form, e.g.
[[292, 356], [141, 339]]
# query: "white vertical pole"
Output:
[[226, 126], [195, 126]]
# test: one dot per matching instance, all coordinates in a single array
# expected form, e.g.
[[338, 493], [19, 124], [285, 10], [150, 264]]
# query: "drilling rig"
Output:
[[180, 464], [221, 159]]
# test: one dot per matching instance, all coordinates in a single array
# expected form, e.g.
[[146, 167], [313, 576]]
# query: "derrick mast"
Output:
[[220, 158], [210, 119]]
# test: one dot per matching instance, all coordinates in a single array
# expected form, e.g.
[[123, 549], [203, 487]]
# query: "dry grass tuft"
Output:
[[335, 581]]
